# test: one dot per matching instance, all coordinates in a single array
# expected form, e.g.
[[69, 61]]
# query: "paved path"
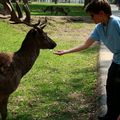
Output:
[[115, 10], [105, 58]]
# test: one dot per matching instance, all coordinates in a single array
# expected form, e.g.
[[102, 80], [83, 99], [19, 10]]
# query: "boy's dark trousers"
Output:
[[113, 92]]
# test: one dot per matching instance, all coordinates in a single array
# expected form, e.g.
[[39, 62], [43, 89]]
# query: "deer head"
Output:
[[37, 36]]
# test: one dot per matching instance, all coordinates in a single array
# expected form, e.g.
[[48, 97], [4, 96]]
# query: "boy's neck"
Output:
[[106, 20]]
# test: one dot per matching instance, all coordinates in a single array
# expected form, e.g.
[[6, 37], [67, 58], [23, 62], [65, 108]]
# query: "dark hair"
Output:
[[95, 6]]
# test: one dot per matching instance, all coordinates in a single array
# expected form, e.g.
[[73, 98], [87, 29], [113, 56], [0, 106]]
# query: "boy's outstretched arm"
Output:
[[84, 46]]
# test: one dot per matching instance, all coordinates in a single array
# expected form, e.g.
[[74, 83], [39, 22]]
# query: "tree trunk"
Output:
[[86, 2], [6, 7], [13, 14], [19, 10], [27, 12]]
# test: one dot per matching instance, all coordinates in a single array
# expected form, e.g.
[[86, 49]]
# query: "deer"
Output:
[[13, 66]]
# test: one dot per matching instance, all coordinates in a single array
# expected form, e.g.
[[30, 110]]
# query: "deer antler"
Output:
[[43, 24], [39, 24], [32, 25]]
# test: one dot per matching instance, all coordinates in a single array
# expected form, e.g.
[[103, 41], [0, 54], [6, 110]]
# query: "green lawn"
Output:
[[57, 87]]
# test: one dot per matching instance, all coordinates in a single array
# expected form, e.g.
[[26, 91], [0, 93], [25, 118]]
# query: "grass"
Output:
[[57, 87]]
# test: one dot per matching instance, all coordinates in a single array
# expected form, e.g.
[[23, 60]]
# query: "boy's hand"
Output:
[[61, 52]]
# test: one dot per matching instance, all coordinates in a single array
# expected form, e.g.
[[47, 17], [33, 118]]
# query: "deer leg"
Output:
[[19, 11], [27, 12], [3, 108]]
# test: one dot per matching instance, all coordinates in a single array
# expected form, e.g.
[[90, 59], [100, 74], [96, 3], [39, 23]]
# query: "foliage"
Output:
[[57, 87]]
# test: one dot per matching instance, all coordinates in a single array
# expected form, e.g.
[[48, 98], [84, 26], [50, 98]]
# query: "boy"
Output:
[[107, 31]]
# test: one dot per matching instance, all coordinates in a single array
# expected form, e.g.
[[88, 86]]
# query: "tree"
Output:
[[86, 2], [9, 9]]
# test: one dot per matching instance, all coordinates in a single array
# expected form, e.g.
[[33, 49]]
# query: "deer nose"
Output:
[[54, 45]]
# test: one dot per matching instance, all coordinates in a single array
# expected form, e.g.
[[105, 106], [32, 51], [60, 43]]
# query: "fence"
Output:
[[61, 1], [66, 1]]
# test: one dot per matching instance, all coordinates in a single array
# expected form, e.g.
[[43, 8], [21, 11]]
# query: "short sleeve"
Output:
[[117, 25], [95, 34]]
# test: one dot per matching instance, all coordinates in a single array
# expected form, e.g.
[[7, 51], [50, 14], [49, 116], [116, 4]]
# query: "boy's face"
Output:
[[97, 18]]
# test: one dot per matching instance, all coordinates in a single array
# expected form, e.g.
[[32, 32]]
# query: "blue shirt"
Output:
[[110, 36]]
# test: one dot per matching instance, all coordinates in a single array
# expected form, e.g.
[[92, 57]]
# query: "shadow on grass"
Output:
[[71, 102]]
